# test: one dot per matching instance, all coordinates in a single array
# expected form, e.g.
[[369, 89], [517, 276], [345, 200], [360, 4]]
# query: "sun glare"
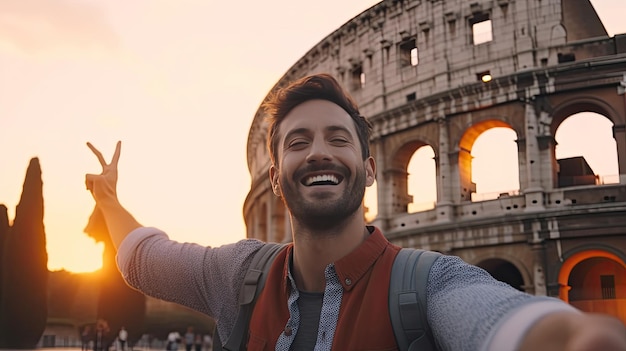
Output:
[[80, 256]]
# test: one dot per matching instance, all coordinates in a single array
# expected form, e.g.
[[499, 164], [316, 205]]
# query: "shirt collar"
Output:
[[350, 268]]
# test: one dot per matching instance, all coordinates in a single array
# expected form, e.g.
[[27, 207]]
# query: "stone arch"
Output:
[[582, 104], [579, 104], [558, 35], [397, 174], [422, 180], [465, 144], [402, 155], [506, 269], [587, 268], [569, 264]]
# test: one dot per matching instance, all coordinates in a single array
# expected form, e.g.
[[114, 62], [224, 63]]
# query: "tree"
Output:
[[23, 308], [118, 304], [4, 232]]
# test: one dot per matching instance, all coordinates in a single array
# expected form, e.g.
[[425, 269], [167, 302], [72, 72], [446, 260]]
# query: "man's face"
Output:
[[320, 172]]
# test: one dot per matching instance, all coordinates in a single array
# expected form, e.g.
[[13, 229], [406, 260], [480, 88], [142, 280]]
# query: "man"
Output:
[[329, 289]]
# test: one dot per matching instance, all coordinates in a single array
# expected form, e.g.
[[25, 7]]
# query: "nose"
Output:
[[319, 151]]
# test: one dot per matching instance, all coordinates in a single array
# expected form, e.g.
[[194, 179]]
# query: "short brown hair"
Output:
[[319, 86]]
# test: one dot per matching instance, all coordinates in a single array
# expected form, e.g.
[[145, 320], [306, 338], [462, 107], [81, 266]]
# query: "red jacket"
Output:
[[364, 322]]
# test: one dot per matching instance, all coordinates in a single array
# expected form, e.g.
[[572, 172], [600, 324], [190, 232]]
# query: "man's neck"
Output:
[[315, 250]]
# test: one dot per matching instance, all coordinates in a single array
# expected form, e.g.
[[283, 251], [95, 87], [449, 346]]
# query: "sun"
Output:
[[82, 255]]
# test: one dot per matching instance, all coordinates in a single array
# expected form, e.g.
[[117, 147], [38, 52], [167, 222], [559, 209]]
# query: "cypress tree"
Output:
[[118, 304], [24, 268], [4, 232]]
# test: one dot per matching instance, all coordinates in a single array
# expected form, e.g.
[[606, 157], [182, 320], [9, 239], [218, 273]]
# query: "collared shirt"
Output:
[[328, 315], [355, 299]]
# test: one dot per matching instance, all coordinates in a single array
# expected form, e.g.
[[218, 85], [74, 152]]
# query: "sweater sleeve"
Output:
[[202, 278], [470, 310]]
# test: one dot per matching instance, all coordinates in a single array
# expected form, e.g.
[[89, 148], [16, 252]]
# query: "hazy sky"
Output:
[[177, 81]]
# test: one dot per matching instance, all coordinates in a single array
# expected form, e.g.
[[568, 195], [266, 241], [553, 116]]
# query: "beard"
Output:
[[323, 212]]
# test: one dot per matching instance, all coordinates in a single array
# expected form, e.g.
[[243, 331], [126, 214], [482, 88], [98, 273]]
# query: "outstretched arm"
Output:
[[103, 187], [576, 332]]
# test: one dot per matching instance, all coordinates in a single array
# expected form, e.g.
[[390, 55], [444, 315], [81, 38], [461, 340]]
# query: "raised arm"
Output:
[[103, 187], [576, 332]]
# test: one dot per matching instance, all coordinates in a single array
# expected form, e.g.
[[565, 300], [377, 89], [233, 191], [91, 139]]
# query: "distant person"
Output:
[[189, 339], [101, 342], [122, 336], [85, 338], [173, 340], [197, 342], [328, 288]]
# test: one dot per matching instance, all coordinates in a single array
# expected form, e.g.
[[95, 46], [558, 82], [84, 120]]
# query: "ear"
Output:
[[274, 180], [370, 171]]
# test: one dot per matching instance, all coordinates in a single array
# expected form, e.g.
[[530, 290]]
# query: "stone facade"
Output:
[[415, 67]]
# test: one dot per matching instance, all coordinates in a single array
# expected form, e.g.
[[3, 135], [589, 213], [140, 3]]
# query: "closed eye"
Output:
[[339, 141], [297, 143]]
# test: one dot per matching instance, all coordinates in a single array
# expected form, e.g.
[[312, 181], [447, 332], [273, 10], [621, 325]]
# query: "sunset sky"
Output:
[[178, 82]]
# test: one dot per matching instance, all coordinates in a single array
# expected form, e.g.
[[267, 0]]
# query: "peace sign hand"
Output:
[[103, 186]]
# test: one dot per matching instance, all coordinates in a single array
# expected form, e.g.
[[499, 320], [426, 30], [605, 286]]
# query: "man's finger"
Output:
[[116, 155], [98, 154]]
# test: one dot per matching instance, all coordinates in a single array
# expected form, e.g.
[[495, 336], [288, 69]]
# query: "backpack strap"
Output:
[[253, 283], [407, 299]]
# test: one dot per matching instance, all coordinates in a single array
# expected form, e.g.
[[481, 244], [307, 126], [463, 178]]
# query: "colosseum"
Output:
[[437, 75]]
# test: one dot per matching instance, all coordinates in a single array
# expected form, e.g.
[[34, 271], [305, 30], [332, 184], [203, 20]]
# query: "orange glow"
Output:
[[575, 259], [81, 255]]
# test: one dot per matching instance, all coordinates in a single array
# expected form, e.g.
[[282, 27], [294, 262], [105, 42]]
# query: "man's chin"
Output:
[[324, 194], [321, 222], [327, 215]]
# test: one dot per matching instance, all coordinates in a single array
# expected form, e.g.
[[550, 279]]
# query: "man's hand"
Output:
[[103, 188], [576, 332], [104, 185]]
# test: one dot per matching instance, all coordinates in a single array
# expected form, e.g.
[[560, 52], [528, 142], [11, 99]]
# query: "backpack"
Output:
[[407, 298]]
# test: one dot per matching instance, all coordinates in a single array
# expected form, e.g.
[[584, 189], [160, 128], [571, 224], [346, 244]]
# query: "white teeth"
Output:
[[322, 178]]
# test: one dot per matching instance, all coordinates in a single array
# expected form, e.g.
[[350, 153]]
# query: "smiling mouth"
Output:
[[322, 179]]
